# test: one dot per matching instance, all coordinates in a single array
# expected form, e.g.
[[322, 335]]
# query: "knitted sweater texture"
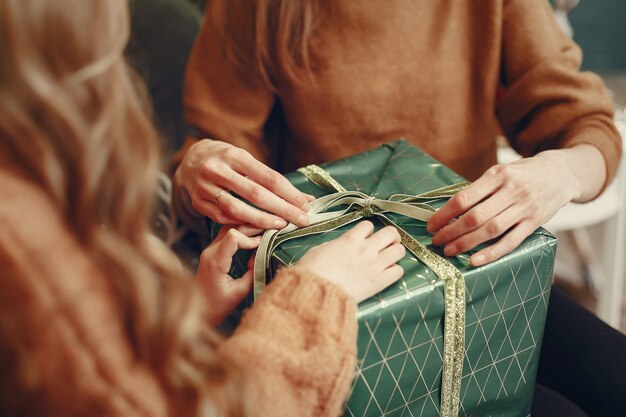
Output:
[[450, 76], [64, 350]]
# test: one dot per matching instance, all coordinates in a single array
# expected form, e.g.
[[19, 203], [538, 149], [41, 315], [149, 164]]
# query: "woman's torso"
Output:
[[427, 71]]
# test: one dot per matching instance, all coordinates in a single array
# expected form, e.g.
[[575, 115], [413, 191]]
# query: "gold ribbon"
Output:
[[360, 205]]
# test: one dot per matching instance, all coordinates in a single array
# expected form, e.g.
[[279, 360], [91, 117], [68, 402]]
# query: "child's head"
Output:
[[71, 115], [70, 39], [72, 121]]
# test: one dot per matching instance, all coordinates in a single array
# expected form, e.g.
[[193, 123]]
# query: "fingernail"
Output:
[[310, 197], [477, 259], [305, 207], [436, 240], [430, 228], [279, 224], [303, 220]]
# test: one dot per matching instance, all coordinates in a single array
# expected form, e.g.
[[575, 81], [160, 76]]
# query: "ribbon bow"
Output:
[[358, 206]]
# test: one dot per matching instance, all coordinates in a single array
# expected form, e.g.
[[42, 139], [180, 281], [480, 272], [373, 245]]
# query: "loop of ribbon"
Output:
[[359, 206]]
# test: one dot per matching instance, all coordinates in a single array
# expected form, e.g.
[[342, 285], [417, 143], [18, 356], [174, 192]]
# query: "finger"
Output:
[[218, 255], [507, 244], [309, 197], [244, 213], [464, 200], [251, 261], [392, 254], [392, 274], [475, 218], [491, 229], [232, 241], [241, 287], [383, 238], [266, 199], [271, 180], [237, 290], [221, 233], [247, 242], [209, 209], [206, 199], [250, 230], [362, 230]]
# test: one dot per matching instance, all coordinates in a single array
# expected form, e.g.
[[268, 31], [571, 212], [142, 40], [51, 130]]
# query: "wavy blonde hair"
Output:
[[73, 120]]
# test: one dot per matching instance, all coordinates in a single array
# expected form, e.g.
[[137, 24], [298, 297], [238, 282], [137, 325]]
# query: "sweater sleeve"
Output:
[[297, 346], [547, 102], [64, 350], [220, 102]]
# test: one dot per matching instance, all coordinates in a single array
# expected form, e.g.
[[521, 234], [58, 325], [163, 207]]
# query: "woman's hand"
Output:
[[212, 169], [511, 201], [361, 263], [222, 291]]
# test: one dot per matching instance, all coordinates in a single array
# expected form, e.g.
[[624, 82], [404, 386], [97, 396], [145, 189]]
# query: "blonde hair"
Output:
[[272, 36], [73, 120]]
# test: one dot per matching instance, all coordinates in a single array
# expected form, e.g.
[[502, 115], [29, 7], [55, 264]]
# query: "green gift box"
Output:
[[401, 330]]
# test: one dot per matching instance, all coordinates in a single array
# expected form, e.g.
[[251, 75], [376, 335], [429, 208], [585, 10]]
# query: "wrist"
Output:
[[586, 165], [562, 172]]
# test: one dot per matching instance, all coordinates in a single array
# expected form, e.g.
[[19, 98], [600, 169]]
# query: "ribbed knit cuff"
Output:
[[301, 292], [298, 343]]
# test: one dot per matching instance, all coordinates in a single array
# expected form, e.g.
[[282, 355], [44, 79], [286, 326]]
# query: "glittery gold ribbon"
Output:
[[360, 205]]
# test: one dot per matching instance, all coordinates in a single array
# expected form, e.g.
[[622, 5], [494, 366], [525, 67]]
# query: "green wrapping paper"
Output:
[[401, 330]]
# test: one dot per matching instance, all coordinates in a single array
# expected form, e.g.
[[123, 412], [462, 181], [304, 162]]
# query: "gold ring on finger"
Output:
[[219, 195]]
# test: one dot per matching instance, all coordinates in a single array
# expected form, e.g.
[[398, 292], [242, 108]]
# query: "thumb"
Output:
[[240, 288], [231, 296]]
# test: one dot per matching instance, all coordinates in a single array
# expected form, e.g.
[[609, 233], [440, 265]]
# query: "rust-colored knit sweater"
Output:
[[64, 350], [429, 71]]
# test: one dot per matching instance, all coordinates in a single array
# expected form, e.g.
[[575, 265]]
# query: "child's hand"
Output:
[[222, 291], [360, 262]]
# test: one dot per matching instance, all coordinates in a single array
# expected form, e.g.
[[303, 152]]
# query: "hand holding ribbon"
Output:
[[360, 205]]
